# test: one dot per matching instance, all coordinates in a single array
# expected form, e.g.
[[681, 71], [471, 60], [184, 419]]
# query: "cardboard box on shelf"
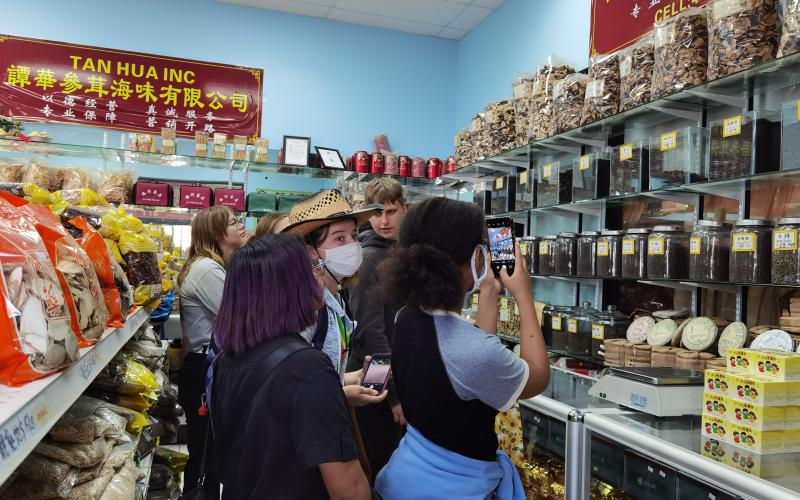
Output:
[[201, 144]]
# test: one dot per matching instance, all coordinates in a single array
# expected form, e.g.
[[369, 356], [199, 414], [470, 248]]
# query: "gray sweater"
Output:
[[200, 294]]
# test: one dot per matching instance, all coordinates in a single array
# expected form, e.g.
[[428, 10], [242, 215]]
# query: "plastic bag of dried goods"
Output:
[[29, 489], [75, 178], [116, 186], [88, 419], [680, 52], [123, 485], [42, 174], [141, 259], [77, 455], [36, 336], [79, 197], [125, 376], [93, 489], [522, 92], [602, 89], [95, 247], [45, 469], [172, 459], [11, 169], [741, 34], [568, 97], [28, 191], [636, 73]]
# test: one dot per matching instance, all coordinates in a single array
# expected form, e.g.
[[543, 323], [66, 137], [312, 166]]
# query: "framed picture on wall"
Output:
[[296, 150], [330, 158]]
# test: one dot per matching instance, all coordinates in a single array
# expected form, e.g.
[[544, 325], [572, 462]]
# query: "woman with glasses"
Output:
[[453, 377], [216, 234]]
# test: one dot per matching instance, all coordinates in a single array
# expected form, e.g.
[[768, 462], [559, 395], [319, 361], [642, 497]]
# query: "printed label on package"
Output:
[[669, 140], [523, 249], [625, 152], [784, 239], [523, 177], [602, 249], [628, 247], [732, 126], [694, 245], [584, 163], [598, 332], [744, 242], [572, 326], [547, 171], [655, 246], [556, 323]]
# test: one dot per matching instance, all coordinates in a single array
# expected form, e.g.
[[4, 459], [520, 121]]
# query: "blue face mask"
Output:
[[479, 279]]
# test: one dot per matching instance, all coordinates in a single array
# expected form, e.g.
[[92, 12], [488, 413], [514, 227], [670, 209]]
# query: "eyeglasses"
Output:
[[318, 267], [236, 222]]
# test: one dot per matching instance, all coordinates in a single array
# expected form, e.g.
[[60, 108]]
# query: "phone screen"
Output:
[[501, 243], [377, 371]]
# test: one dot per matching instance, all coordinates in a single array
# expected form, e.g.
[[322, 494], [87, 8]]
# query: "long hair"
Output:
[[270, 292], [437, 237], [266, 224], [208, 226]]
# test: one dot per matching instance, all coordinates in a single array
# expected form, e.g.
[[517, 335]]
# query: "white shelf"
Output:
[[146, 465], [28, 412]]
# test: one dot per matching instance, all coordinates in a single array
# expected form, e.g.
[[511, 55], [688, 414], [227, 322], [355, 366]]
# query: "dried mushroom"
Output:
[[790, 27], [522, 90], [84, 288], [117, 187], [636, 74], [543, 120], [568, 96], [741, 34], [602, 90], [681, 48]]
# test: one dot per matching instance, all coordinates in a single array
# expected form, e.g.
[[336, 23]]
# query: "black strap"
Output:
[[321, 331]]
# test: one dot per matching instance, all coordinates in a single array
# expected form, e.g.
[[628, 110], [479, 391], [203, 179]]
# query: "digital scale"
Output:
[[663, 392]]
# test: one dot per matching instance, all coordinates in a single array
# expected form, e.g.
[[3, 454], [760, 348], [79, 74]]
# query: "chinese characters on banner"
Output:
[[618, 23], [47, 81]]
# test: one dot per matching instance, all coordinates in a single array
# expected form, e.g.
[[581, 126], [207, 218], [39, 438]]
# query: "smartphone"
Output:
[[501, 244], [378, 372]]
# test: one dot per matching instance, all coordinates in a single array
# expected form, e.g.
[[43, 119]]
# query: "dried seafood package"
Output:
[[95, 247], [741, 34], [117, 186], [681, 52], [11, 169], [75, 178], [141, 261], [602, 89], [91, 215], [36, 337], [636, 73], [568, 96], [40, 173], [790, 27]]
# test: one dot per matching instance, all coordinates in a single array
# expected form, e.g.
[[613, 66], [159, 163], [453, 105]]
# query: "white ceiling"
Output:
[[443, 18]]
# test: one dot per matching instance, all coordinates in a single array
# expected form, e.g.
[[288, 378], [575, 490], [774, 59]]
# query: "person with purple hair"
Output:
[[281, 425]]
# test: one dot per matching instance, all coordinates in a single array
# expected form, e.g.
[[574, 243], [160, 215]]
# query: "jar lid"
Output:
[[773, 339], [668, 229], [549, 237], [713, 223], [614, 316], [530, 238], [637, 332], [662, 333], [753, 222], [590, 233], [699, 334], [610, 232], [789, 220], [567, 235], [733, 336], [639, 230]]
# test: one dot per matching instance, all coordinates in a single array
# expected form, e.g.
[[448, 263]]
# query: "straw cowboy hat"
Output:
[[323, 208]]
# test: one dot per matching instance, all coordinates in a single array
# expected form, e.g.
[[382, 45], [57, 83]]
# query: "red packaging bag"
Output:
[[36, 337], [95, 247], [231, 198], [154, 194], [195, 196]]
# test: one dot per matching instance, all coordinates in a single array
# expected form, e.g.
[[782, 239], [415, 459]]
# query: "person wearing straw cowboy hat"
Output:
[[328, 224]]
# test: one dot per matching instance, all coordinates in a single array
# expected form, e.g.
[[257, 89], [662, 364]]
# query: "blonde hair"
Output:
[[384, 190], [266, 224], [208, 226]]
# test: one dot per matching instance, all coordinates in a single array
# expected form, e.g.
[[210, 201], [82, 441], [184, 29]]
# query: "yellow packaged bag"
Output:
[[140, 253], [80, 197]]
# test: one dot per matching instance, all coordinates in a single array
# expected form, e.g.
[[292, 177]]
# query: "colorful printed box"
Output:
[[762, 418], [777, 365], [764, 466], [716, 381], [763, 392], [741, 361], [715, 405], [764, 442], [715, 427]]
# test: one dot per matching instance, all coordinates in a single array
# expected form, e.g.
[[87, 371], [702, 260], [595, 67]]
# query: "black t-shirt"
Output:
[[269, 444]]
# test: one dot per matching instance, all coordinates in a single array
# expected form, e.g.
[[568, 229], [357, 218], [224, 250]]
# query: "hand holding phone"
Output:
[[378, 372], [501, 244]]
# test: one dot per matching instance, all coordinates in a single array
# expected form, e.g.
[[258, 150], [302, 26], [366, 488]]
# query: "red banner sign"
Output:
[[48, 81], [618, 23]]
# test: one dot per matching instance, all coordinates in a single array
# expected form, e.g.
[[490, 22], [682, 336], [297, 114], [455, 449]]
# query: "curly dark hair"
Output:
[[437, 236]]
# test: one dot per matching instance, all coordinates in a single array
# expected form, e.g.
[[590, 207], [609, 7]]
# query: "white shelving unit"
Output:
[[146, 465], [27, 413]]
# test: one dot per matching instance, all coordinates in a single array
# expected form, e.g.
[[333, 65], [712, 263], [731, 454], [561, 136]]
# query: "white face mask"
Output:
[[344, 261], [478, 280]]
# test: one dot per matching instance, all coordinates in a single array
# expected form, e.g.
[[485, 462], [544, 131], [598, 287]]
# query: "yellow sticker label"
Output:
[[625, 152], [523, 177], [732, 126], [572, 326], [784, 239], [798, 111], [598, 332], [544, 248], [547, 171], [523, 249], [556, 323], [694, 245], [584, 163], [602, 249], [655, 246], [669, 140], [744, 242], [628, 247], [499, 182]]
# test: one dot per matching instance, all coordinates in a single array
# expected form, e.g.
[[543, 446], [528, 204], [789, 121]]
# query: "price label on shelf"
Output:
[[572, 326], [87, 365], [784, 239], [669, 140], [15, 432], [628, 247], [584, 163], [523, 249], [625, 152], [547, 171], [744, 242], [556, 323], [602, 249], [732, 126], [498, 183], [544, 248], [523, 177], [598, 331], [655, 246], [694, 245]]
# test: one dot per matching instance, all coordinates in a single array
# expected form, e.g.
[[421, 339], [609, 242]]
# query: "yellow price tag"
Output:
[[547, 171], [498, 183], [584, 163], [732, 126], [669, 140], [523, 177], [625, 152]]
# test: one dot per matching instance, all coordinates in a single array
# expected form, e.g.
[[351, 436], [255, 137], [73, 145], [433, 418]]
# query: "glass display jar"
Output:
[[751, 251], [667, 253], [587, 243], [579, 329], [709, 251], [785, 252], [609, 254], [547, 324], [558, 326], [609, 324], [634, 253], [547, 251], [529, 248], [566, 253]]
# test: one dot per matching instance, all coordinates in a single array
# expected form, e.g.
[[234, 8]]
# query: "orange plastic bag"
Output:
[[95, 246], [36, 338]]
